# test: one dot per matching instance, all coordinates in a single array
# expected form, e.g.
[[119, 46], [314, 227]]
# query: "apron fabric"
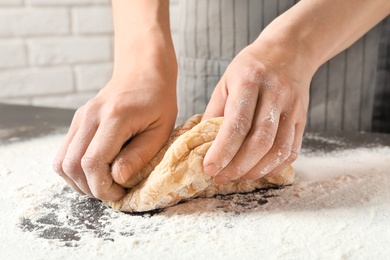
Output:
[[381, 113], [212, 32]]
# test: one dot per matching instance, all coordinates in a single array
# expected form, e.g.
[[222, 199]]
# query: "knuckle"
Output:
[[264, 137], [286, 154], [57, 166], [278, 90], [91, 104], [293, 156], [80, 112], [282, 91], [283, 151], [97, 191], [113, 109], [244, 121], [89, 163], [70, 166], [100, 187], [232, 174], [91, 108], [240, 125]]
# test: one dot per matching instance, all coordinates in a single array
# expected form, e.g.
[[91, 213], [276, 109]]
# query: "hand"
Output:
[[263, 96], [264, 92], [141, 109]]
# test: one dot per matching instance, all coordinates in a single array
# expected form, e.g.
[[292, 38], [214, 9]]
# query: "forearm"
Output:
[[142, 35], [320, 29]]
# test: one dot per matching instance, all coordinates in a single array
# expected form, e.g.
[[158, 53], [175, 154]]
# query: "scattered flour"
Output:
[[338, 208]]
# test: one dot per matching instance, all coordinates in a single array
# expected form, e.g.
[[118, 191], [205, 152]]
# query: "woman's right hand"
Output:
[[118, 132], [138, 111]]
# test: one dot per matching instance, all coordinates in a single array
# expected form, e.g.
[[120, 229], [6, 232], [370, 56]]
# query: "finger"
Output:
[[239, 111], [296, 147], [71, 164], [135, 156], [71, 183], [258, 142], [216, 105], [60, 156], [280, 151], [105, 145]]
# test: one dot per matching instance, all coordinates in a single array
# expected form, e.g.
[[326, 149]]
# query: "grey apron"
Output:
[[213, 31]]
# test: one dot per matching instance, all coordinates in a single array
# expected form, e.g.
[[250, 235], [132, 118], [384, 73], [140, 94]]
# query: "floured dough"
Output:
[[176, 172]]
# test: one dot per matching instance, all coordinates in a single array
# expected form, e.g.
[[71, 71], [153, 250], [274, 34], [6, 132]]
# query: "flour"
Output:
[[339, 207]]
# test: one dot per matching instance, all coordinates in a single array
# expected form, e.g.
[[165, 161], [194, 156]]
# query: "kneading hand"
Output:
[[140, 111], [265, 90], [264, 100]]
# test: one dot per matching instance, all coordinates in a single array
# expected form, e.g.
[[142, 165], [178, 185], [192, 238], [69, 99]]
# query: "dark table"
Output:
[[19, 122]]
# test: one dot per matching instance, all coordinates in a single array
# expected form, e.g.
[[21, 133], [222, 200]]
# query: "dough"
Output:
[[175, 173]]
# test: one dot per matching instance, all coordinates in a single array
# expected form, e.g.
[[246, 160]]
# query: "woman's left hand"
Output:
[[263, 96]]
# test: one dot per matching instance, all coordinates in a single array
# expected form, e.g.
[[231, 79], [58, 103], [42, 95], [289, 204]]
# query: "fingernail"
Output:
[[221, 179], [123, 172], [211, 169]]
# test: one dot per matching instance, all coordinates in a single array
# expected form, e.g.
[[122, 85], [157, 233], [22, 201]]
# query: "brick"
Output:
[[28, 82], [66, 2], [33, 21], [72, 100], [89, 20], [12, 53], [92, 76], [69, 50], [10, 2]]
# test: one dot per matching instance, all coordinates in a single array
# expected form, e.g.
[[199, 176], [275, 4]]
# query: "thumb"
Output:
[[136, 155]]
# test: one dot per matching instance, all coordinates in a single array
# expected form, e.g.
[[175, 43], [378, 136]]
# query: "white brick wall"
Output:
[[25, 21], [69, 50], [57, 52], [86, 20], [10, 2], [35, 82], [12, 53]]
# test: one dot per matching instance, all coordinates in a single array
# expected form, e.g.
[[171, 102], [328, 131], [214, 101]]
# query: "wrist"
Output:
[[316, 31], [289, 43], [284, 53], [145, 54], [142, 38]]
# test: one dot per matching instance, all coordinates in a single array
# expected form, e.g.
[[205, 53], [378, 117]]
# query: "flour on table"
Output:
[[338, 207]]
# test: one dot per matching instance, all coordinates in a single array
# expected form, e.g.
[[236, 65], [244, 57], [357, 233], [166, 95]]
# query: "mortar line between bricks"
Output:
[[71, 64], [55, 66], [66, 66], [54, 94], [66, 5]]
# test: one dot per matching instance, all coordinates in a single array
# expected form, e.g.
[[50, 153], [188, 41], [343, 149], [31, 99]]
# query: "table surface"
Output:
[[310, 206], [19, 122]]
